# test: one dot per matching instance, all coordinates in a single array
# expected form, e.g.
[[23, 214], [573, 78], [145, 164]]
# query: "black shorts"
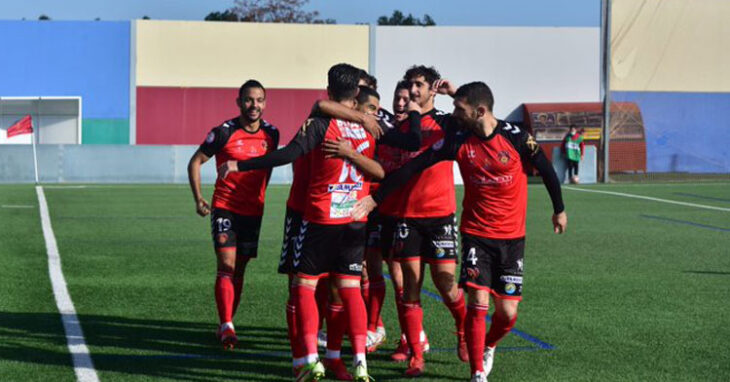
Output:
[[373, 229], [322, 249], [493, 265], [387, 230], [292, 223], [230, 230], [433, 240]]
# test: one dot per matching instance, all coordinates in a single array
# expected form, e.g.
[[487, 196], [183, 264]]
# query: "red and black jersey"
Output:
[[431, 193], [335, 184], [495, 183], [244, 192]]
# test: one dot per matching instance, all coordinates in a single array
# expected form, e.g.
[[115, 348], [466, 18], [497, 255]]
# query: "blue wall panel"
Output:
[[64, 58], [685, 132]]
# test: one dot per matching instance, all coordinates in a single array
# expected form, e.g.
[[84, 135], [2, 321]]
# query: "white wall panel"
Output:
[[520, 64]]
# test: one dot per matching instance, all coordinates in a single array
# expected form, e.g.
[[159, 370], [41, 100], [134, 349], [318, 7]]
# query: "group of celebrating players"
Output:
[[340, 225]]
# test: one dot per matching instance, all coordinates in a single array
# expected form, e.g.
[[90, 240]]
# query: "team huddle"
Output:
[[341, 224]]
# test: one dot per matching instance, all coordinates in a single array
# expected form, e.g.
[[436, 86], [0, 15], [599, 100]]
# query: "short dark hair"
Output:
[[342, 81], [429, 73], [370, 80], [365, 93], [476, 93], [249, 85], [402, 85], [572, 126]]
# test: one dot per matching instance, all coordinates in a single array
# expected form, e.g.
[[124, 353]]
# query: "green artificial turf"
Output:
[[635, 290]]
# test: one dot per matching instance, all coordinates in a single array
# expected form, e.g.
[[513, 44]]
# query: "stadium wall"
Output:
[[520, 64], [72, 58], [671, 58], [188, 73]]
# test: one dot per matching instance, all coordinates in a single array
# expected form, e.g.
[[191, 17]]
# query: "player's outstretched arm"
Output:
[[410, 140], [197, 160], [343, 149], [337, 110], [279, 157]]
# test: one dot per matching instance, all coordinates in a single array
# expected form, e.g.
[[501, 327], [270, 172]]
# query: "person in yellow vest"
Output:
[[573, 150]]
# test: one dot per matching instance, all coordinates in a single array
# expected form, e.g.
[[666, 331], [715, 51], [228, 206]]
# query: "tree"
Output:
[[226, 15], [399, 19], [269, 11], [43, 18]]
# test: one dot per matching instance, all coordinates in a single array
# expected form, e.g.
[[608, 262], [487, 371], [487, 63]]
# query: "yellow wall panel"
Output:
[[225, 54], [670, 45]]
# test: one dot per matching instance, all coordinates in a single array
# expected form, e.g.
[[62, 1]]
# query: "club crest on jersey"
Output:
[[503, 157], [264, 145]]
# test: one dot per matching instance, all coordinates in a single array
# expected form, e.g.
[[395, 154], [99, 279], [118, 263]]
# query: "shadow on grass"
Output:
[[148, 348], [708, 272]]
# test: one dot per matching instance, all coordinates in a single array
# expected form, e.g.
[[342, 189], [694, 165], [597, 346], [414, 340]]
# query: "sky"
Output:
[[566, 13]]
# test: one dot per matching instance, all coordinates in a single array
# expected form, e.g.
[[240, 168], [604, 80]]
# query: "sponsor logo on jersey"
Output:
[[511, 279], [344, 187], [210, 138], [519, 265], [482, 180], [532, 144]]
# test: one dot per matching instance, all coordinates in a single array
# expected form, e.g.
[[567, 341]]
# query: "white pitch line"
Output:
[[83, 366], [650, 198], [15, 206]]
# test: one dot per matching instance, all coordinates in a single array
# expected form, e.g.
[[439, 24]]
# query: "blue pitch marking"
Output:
[[702, 197], [685, 222], [541, 344]]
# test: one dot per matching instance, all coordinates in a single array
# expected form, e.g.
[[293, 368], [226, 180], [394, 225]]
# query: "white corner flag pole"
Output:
[[32, 140]]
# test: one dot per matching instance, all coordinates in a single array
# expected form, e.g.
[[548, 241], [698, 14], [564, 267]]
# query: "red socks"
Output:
[[321, 295], [307, 316], [413, 319], [476, 330], [375, 303], [224, 296], [501, 325], [356, 318], [297, 348], [458, 311], [237, 290], [336, 326]]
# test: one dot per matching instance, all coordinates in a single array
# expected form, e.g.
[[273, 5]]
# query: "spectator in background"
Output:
[[573, 150]]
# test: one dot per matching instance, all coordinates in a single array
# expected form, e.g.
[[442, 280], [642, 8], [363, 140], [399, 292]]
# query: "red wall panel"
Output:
[[183, 116]]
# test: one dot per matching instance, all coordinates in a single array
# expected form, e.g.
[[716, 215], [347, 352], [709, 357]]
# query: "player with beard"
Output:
[[238, 201], [492, 156]]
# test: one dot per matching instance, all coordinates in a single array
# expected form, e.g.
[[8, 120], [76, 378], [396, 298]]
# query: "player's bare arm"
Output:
[[337, 110], [444, 87], [342, 148], [201, 205]]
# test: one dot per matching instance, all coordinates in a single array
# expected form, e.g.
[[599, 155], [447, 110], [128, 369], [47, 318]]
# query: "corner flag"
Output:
[[22, 126]]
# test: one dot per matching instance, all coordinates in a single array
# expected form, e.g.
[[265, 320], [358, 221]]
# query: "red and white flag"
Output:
[[22, 126]]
